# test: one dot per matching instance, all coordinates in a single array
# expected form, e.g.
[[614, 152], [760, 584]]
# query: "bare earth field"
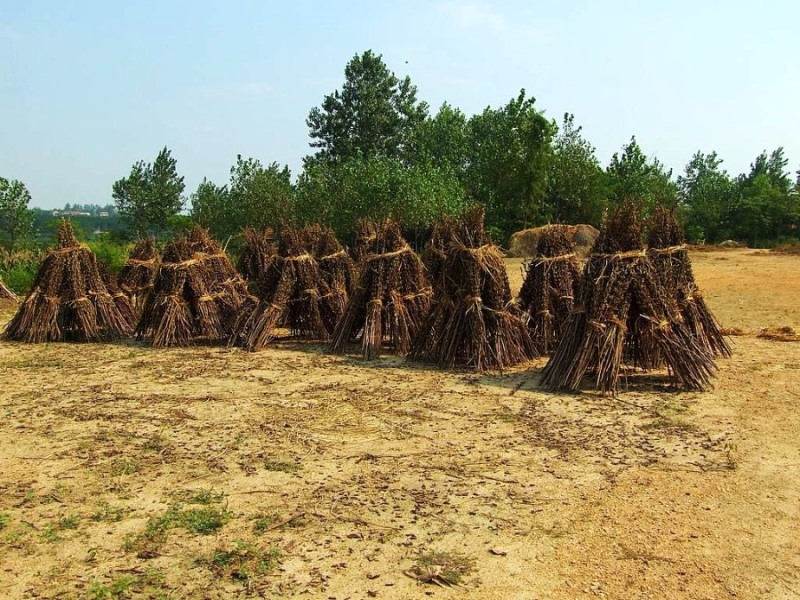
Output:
[[127, 472]]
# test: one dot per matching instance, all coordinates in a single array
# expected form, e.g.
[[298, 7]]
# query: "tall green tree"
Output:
[[374, 114], [211, 208], [577, 190], [633, 177], [338, 193], [508, 162], [16, 219], [150, 195], [256, 196], [764, 206], [443, 140], [705, 191]]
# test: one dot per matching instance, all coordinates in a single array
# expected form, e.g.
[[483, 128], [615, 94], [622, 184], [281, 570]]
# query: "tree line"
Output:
[[379, 152]]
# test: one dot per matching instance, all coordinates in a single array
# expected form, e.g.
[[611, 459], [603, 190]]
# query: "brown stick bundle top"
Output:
[[295, 295], [69, 300], [390, 299], [624, 316], [552, 280], [473, 323], [196, 294]]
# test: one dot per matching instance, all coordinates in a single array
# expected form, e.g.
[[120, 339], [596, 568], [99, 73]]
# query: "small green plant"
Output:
[[124, 466], [69, 522], [5, 519], [442, 568], [263, 523], [202, 497], [199, 521], [156, 442], [108, 513], [242, 562], [282, 466]]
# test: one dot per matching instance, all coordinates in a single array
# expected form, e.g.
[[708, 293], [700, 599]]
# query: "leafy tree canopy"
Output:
[[374, 114], [509, 154], [150, 195], [577, 188], [634, 177], [16, 219]]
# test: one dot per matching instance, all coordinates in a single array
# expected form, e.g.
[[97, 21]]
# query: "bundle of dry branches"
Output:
[[69, 300], [548, 292], [366, 238], [6, 295], [624, 316], [339, 273], [434, 254], [670, 257], [295, 295], [197, 293], [256, 258], [473, 322], [390, 300], [138, 274]]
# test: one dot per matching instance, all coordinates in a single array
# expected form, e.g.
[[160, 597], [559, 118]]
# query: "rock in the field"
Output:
[[523, 243]]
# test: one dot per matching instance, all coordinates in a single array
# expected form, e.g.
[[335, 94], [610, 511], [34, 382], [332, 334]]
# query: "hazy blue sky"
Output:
[[89, 87]]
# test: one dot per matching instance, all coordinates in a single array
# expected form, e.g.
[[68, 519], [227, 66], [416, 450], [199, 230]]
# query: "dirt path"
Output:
[[212, 473]]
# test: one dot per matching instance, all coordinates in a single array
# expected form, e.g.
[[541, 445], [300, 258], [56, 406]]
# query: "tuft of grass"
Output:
[[262, 523], [108, 513], [198, 521], [150, 584], [123, 467], [242, 562], [282, 466], [5, 519], [443, 568], [69, 522], [156, 442], [203, 497]]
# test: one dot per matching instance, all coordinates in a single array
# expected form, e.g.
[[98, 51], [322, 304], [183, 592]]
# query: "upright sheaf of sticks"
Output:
[[295, 296], [473, 322], [552, 280], [6, 294], [197, 294], [69, 300], [339, 273], [670, 257], [258, 255], [390, 300], [624, 316], [138, 274]]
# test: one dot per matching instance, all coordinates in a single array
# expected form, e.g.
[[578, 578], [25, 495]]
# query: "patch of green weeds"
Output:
[[282, 466], [108, 513], [69, 522], [203, 497], [262, 523], [124, 466], [156, 442], [150, 584], [5, 519], [242, 562], [198, 521], [443, 568]]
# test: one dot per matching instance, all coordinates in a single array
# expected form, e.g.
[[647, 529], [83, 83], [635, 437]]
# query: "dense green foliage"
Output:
[[16, 219], [380, 152], [150, 195]]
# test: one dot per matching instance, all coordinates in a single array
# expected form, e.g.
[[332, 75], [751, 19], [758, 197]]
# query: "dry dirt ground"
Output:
[[212, 473]]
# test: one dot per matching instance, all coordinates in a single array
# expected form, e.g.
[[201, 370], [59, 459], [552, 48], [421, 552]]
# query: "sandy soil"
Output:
[[213, 473]]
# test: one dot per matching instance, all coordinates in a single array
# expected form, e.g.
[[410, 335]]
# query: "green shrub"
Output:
[[110, 252]]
